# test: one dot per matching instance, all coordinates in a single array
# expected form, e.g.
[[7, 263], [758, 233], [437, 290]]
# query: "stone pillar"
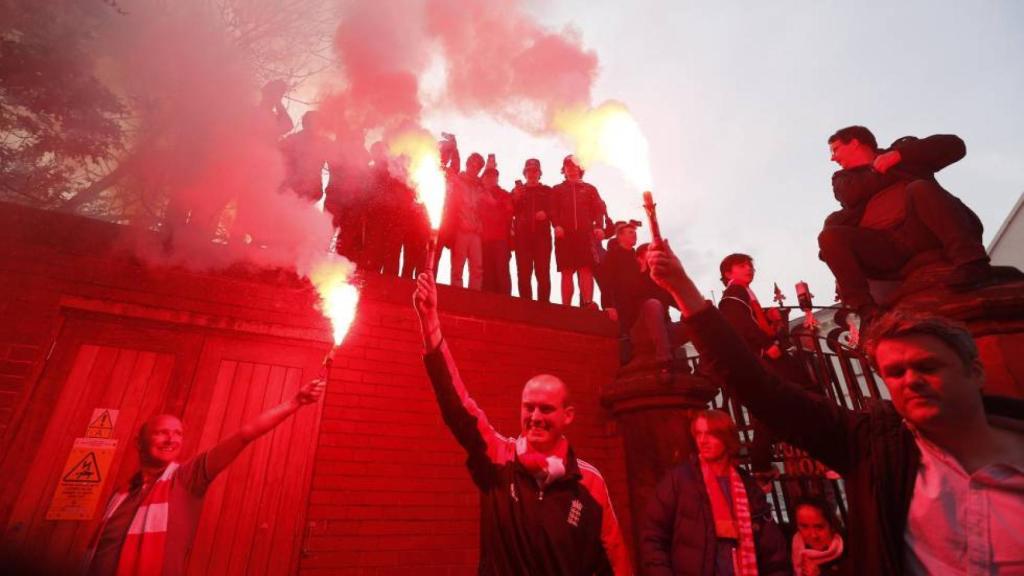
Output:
[[653, 410]]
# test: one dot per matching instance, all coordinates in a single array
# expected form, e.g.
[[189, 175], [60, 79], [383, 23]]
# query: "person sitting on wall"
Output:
[[708, 517], [542, 510], [631, 298], [817, 544], [894, 212], [149, 528], [915, 466]]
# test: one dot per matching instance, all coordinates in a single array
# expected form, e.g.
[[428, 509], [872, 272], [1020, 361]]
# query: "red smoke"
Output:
[[498, 61]]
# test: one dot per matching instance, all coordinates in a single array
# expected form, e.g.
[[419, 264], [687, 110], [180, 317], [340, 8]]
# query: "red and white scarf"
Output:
[[142, 553], [807, 561], [546, 468], [733, 523]]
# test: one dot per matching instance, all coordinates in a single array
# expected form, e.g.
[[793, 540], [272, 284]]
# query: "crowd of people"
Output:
[[934, 477]]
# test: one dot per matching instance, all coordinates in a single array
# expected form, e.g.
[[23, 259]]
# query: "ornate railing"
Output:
[[842, 373]]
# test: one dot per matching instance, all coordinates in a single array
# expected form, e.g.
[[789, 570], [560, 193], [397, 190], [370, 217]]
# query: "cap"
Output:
[[532, 163]]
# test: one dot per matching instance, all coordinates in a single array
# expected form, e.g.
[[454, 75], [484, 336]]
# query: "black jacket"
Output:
[[565, 528], [920, 159], [576, 206], [678, 533], [532, 199], [872, 449], [735, 306]]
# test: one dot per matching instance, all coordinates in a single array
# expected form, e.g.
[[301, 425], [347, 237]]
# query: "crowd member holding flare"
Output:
[[708, 517], [542, 510], [934, 478], [148, 527]]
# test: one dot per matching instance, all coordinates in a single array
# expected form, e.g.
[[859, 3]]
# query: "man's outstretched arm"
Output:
[[223, 454], [460, 413], [810, 421]]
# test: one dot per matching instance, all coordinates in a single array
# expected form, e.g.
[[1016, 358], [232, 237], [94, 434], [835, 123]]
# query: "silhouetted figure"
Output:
[[532, 229], [305, 154], [388, 201]]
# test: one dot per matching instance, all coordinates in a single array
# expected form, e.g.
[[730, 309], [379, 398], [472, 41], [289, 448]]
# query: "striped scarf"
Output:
[[142, 553], [735, 523]]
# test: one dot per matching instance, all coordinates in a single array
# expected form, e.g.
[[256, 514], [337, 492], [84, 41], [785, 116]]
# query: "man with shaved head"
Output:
[[542, 510], [148, 528]]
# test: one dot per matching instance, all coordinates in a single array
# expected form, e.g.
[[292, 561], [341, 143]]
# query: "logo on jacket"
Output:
[[574, 512]]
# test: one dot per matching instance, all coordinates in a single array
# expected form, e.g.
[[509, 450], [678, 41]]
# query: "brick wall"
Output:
[[390, 493]]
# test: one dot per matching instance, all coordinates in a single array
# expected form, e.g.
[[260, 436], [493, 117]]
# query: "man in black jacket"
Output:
[[934, 478], [707, 511], [542, 510], [533, 232], [892, 210], [631, 298]]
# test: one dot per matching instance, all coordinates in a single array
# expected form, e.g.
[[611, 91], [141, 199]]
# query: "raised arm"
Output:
[[223, 454], [460, 412], [932, 153], [810, 421]]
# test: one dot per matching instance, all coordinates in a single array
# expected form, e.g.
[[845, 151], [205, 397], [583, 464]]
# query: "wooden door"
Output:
[[253, 522], [253, 516]]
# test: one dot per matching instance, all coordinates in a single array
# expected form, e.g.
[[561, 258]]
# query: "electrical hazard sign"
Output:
[[101, 425], [82, 479]]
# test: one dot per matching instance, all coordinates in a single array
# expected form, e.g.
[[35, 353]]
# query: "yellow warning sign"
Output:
[[101, 425], [82, 479]]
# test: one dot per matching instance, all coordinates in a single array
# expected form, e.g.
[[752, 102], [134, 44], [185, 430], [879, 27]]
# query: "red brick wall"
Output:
[[390, 493], [390, 488]]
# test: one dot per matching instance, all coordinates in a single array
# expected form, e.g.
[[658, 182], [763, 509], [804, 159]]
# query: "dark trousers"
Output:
[[533, 257], [414, 252], [496, 256], [935, 219]]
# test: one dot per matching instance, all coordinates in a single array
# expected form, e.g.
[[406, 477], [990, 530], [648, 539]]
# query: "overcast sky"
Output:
[[738, 99]]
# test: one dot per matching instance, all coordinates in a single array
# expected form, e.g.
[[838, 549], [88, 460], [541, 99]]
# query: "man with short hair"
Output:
[[708, 517], [894, 210], [542, 510], [577, 213], [149, 528], [533, 232], [934, 478]]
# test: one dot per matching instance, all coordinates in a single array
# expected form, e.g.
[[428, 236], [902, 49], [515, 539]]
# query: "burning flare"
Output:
[[424, 170], [338, 297], [608, 134]]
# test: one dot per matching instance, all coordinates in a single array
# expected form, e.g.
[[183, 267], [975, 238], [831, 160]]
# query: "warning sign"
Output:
[[82, 479], [101, 425]]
